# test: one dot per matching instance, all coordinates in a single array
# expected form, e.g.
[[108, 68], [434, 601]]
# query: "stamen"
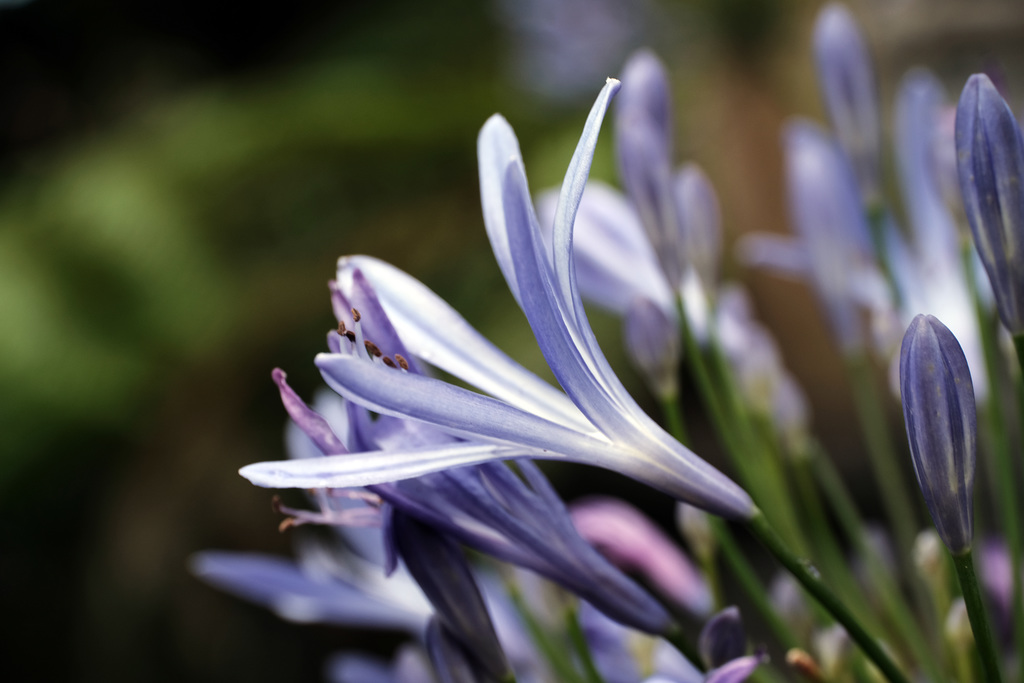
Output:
[[388, 362], [355, 315], [350, 335], [402, 362], [805, 665], [341, 327], [286, 524], [372, 348]]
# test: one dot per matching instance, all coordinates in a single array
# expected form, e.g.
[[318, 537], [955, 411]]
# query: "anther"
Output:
[[804, 664], [275, 504], [402, 362], [341, 327], [355, 315], [388, 362], [286, 524], [372, 348], [350, 335]]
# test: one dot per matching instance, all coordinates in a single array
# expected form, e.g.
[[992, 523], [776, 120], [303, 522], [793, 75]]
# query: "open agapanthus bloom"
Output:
[[595, 422]]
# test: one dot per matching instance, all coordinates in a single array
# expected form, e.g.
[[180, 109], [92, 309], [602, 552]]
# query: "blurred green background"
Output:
[[176, 183]]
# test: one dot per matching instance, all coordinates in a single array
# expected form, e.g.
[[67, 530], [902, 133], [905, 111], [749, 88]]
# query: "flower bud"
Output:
[[957, 628], [990, 155], [847, 82], [723, 638], [652, 342], [938, 407]]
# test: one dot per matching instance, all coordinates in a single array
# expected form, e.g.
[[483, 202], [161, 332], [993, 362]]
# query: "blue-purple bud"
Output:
[[700, 222], [722, 639], [990, 160], [938, 407], [652, 343], [440, 568], [643, 140], [847, 83], [829, 216]]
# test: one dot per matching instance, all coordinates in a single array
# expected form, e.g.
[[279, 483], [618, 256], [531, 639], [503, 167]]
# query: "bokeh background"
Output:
[[177, 180]]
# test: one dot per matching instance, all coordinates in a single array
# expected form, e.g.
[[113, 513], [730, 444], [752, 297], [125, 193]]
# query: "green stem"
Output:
[[976, 613], [579, 643], [809, 579], [881, 451], [894, 602], [1012, 514], [561, 665], [885, 463], [750, 584], [672, 411]]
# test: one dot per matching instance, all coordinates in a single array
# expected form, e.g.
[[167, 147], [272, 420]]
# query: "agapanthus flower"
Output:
[[637, 545], [833, 248], [929, 270], [518, 519], [594, 422]]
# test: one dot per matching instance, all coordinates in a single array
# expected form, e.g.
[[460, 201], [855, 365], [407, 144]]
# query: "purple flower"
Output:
[[595, 421], [833, 249], [518, 519], [938, 406], [847, 83], [723, 638], [990, 155], [635, 544], [929, 270]]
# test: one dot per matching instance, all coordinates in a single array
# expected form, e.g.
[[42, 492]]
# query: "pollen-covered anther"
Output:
[[388, 362], [341, 327], [350, 335], [803, 663], [372, 348], [286, 523], [355, 315], [275, 504], [402, 362]]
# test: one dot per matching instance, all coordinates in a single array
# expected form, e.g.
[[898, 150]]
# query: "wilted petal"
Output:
[[938, 406]]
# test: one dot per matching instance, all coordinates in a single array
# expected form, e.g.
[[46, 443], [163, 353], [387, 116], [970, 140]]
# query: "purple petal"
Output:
[[436, 333], [280, 585], [736, 671], [636, 545]]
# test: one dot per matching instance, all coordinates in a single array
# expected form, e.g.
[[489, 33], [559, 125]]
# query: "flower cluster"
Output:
[[407, 470]]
